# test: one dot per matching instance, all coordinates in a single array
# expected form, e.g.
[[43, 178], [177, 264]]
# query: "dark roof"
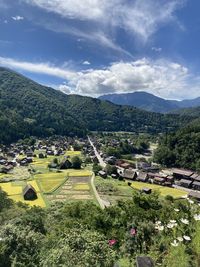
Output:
[[194, 195], [184, 181], [159, 179], [128, 173], [144, 262], [196, 183], [183, 172], [27, 188]]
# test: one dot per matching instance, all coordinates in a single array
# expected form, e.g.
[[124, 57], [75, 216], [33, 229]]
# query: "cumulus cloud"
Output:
[[86, 62], [18, 18], [161, 77], [140, 17]]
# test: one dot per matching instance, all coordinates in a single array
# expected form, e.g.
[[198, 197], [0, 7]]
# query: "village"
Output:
[[41, 172]]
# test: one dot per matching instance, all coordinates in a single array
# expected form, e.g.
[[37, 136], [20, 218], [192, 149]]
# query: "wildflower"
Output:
[[185, 221], [172, 221], [197, 217], [174, 243], [180, 239], [159, 227], [187, 238], [112, 242], [190, 201], [177, 210], [133, 231]]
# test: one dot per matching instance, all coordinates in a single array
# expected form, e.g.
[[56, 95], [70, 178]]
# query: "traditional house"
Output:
[[29, 193], [129, 174], [179, 174], [159, 180], [195, 195], [142, 177], [185, 183], [196, 185], [146, 190], [103, 174]]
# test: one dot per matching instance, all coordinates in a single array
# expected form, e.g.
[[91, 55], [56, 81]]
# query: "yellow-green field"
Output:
[[14, 192], [81, 173], [164, 191], [72, 153], [82, 186]]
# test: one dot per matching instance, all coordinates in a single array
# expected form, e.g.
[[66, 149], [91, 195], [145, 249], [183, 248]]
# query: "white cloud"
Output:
[[161, 77], [140, 17], [86, 62], [44, 68], [18, 18]]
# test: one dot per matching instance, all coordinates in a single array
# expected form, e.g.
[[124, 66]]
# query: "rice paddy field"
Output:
[[163, 190], [50, 185]]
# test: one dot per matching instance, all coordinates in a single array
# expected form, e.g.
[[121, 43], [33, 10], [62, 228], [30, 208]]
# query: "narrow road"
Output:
[[101, 162], [103, 203]]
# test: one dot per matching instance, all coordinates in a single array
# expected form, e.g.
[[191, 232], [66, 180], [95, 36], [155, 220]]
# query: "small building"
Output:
[[129, 174], [185, 183], [182, 174], [159, 180], [195, 195], [103, 174], [146, 190], [29, 193], [142, 261], [142, 177], [196, 185]]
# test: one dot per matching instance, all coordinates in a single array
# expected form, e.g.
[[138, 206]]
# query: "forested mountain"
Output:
[[181, 149], [27, 108], [150, 102]]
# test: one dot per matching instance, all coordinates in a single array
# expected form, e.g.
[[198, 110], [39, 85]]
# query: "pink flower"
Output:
[[112, 242], [133, 231]]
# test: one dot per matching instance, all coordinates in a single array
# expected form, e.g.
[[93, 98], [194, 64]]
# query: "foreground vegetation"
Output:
[[80, 234], [181, 149]]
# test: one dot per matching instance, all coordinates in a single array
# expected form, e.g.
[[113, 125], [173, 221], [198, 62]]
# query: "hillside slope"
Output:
[[150, 102], [27, 108]]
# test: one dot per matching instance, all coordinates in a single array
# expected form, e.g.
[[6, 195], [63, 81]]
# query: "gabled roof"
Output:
[[27, 188]]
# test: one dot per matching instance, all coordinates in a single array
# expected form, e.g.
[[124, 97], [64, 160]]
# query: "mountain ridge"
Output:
[[150, 102]]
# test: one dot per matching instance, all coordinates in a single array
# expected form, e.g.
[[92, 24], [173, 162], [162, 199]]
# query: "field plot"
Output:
[[75, 188], [72, 153], [112, 190], [14, 191], [163, 190]]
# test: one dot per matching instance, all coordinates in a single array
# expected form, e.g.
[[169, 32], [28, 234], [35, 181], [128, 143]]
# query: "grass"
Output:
[[164, 191], [50, 185], [77, 173], [14, 191], [72, 153], [37, 202]]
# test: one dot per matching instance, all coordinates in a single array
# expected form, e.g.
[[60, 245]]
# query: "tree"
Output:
[[76, 163], [96, 168], [5, 202]]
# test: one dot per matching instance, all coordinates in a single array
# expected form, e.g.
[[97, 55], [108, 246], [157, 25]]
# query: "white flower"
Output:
[[158, 222], [197, 217], [172, 221], [180, 239], [159, 227], [190, 201], [174, 243], [185, 221], [187, 238], [177, 210]]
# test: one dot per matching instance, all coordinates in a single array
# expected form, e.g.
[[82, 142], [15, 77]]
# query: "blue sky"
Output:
[[95, 47]]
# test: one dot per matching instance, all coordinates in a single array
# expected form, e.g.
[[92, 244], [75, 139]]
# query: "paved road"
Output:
[[103, 203], [101, 162]]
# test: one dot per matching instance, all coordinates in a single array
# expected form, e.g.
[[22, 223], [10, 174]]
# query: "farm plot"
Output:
[[75, 188], [14, 191], [112, 190], [163, 190]]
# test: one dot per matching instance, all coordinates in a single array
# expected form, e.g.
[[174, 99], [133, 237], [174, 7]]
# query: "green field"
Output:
[[163, 190]]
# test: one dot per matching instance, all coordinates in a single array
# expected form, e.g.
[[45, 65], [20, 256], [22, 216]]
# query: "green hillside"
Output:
[[27, 108]]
